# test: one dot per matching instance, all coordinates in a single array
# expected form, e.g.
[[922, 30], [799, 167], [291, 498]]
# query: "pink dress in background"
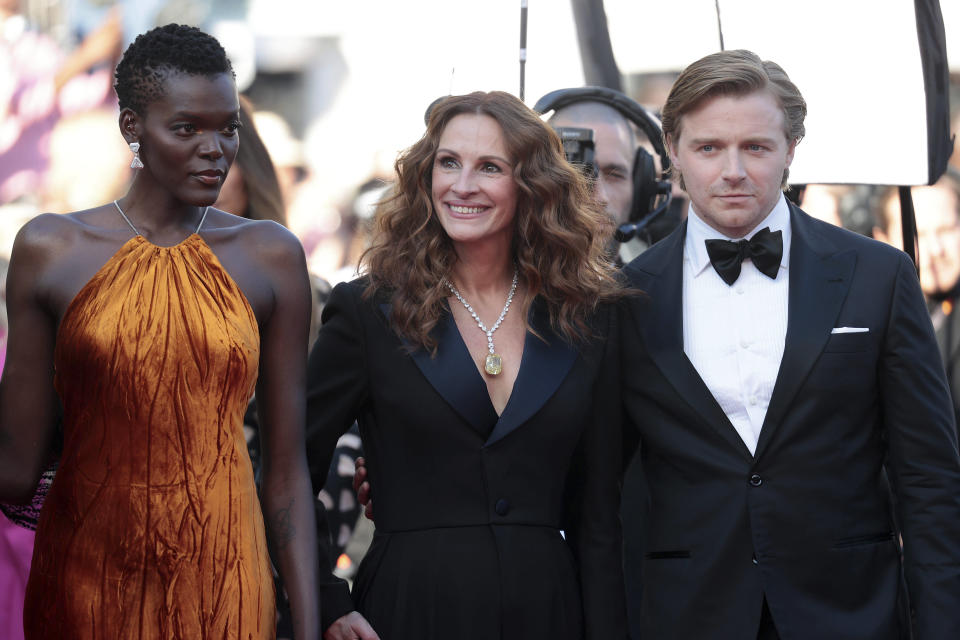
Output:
[[16, 548]]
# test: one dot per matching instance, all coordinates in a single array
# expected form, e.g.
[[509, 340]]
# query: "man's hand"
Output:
[[362, 487], [352, 626]]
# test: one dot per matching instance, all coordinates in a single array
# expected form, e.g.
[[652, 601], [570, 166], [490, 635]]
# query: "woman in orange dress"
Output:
[[152, 319]]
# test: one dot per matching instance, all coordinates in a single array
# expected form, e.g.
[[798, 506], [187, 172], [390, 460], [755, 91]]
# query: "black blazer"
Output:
[[857, 423], [469, 505]]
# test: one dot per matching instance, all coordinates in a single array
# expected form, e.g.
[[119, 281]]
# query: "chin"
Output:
[[202, 200]]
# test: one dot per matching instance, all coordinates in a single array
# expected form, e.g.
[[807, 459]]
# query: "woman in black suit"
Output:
[[478, 356]]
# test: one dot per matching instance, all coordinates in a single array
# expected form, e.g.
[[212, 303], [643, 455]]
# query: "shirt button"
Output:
[[502, 507], [744, 344], [756, 480], [740, 291]]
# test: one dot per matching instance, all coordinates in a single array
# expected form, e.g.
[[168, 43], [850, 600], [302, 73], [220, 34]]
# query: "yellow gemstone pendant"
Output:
[[493, 364]]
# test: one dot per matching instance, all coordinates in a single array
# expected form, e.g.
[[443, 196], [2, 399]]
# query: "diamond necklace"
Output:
[[493, 364]]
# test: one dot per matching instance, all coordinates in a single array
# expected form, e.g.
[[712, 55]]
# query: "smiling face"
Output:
[[732, 152], [474, 193], [188, 136]]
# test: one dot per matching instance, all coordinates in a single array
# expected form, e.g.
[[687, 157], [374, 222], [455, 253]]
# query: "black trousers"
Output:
[[767, 630]]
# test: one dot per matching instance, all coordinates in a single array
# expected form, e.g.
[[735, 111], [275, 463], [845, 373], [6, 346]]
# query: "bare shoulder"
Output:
[[270, 245], [43, 238]]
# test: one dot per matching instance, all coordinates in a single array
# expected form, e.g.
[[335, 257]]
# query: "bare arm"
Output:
[[287, 495], [101, 45], [27, 398]]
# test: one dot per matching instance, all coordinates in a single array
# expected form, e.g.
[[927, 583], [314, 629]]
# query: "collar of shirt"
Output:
[[698, 232]]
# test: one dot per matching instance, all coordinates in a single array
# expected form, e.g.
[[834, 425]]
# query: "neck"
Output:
[[483, 271], [155, 209]]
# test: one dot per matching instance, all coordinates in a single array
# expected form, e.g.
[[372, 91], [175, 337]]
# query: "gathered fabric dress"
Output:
[[152, 528]]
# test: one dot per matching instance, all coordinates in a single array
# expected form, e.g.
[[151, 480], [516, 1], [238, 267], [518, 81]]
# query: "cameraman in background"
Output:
[[617, 141]]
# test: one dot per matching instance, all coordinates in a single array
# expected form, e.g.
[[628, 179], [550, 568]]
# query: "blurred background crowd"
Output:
[[325, 115]]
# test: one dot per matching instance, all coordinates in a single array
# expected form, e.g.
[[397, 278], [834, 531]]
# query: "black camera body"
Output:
[[579, 148]]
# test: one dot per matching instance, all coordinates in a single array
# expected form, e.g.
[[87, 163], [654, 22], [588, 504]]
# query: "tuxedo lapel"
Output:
[[542, 369], [454, 376], [663, 333], [819, 281]]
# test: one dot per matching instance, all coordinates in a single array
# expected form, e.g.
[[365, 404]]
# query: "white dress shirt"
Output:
[[734, 334]]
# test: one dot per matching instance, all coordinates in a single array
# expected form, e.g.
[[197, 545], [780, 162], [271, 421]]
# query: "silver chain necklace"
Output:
[[493, 364]]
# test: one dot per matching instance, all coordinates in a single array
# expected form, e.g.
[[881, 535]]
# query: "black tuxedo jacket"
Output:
[[858, 448]]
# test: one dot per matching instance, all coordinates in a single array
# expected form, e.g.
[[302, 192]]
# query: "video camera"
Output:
[[579, 149]]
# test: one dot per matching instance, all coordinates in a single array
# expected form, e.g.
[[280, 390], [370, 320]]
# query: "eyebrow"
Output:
[[486, 157], [196, 116], [615, 165], [760, 140]]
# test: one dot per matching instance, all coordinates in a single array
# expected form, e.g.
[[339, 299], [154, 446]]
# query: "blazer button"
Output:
[[754, 558], [756, 480], [502, 507]]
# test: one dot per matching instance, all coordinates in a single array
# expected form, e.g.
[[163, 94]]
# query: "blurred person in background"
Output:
[[844, 205], [252, 189], [479, 455], [28, 102], [617, 145], [74, 186], [316, 223], [937, 209], [158, 314]]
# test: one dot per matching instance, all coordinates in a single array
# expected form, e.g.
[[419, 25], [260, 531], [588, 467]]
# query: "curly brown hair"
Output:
[[559, 236]]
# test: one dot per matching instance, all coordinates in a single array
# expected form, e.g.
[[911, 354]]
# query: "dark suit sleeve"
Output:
[[923, 462], [336, 388], [594, 509]]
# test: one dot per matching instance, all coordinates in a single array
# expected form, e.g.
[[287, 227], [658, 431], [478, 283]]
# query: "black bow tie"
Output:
[[765, 248]]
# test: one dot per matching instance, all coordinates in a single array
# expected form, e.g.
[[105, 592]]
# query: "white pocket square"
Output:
[[850, 330]]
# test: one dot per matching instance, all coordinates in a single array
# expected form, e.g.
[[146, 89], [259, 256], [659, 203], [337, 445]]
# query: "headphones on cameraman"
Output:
[[647, 185]]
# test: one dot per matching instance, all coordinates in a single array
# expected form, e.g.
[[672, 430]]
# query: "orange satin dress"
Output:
[[152, 528]]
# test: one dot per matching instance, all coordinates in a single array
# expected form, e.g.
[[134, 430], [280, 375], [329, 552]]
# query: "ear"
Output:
[[671, 149], [791, 148], [131, 125]]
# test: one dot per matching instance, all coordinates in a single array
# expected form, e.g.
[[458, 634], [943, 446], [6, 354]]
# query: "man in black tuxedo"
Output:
[[792, 412]]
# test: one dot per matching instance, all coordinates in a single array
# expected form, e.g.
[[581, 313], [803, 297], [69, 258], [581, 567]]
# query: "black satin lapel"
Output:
[[543, 368], [455, 377], [663, 333], [819, 282]]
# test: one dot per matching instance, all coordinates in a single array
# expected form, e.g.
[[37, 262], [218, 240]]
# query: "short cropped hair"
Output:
[[732, 73], [155, 54]]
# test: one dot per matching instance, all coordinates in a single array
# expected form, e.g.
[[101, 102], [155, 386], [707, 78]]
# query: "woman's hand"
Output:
[[362, 488], [352, 626]]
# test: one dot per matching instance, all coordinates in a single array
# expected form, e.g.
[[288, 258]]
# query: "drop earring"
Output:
[[136, 163]]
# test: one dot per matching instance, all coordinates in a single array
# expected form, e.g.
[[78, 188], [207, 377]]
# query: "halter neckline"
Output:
[[136, 231]]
